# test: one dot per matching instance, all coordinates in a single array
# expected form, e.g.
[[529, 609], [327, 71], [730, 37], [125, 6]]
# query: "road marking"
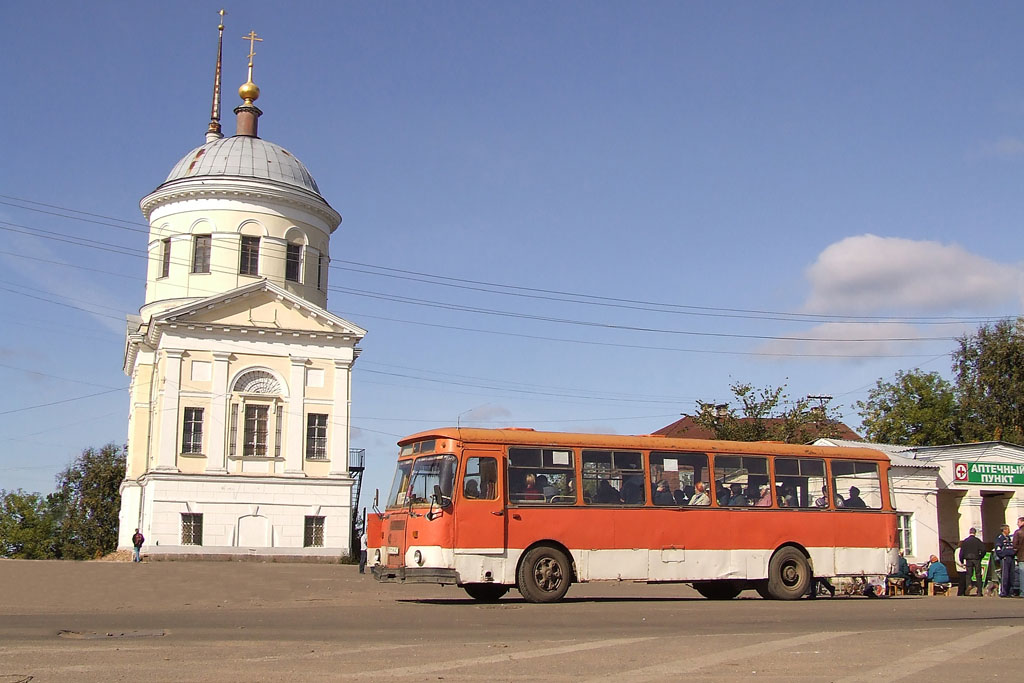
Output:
[[495, 659], [702, 661], [920, 660]]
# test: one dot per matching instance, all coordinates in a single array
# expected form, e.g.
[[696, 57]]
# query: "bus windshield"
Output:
[[400, 484], [430, 471]]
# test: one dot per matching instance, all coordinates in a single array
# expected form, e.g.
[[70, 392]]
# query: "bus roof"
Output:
[[518, 436]]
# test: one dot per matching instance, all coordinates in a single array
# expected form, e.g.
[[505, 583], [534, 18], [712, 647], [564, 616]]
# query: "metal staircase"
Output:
[[356, 466]]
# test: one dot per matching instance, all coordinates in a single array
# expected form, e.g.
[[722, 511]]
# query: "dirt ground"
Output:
[[250, 621]]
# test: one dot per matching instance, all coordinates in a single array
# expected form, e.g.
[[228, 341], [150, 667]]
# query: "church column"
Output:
[[167, 447], [339, 419], [218, 426], [294, 450]]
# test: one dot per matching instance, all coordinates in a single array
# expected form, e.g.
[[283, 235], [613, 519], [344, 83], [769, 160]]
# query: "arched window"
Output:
[[258, 401]]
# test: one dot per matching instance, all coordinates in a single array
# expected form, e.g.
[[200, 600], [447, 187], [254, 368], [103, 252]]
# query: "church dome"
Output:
[[243, 156]]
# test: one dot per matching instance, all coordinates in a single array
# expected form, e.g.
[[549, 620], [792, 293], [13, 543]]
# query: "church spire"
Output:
[[213, 131], [248, 113]]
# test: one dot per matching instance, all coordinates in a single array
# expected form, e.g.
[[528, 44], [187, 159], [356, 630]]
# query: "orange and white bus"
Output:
[[493, 509]]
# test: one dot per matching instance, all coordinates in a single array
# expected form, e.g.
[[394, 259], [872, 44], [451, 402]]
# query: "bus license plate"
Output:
[[392, 550]]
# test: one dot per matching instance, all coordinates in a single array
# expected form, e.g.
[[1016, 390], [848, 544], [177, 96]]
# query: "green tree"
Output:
[[763, 417], [916, 409], [87, 502], [989, 369], [27, 529]]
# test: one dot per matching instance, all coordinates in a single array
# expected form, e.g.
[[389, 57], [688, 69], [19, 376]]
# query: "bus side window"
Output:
[[674, 477], [799, 483], [613, 478], [741, 480], [481, 479], [542, 476], [857, 482]]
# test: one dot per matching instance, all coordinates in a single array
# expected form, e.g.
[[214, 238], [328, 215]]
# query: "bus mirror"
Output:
[[439, 498], [376, 498]]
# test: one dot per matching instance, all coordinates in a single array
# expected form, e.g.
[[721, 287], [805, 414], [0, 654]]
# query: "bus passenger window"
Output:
[[481, 479], [613, 478], [740, 480], [799, 483], [675, 477], [858, 483], [541, 476]]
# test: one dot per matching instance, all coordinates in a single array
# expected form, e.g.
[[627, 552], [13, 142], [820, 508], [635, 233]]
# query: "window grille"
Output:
[[201, 254], [316, 436], [191, 528], [293, 262], [233, 432], [314, 533], [278, 424], [192, 431], [249, 259]]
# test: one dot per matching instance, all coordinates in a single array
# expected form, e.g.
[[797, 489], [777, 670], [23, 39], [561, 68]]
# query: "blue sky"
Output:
[[593, 204]]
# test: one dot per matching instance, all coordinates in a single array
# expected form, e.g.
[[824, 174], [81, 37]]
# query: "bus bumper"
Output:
[[414, 575]]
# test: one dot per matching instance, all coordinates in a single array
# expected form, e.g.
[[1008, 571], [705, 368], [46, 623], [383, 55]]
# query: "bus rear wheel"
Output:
[[485, 592], [719, 590], [544, 574], [789, 574]]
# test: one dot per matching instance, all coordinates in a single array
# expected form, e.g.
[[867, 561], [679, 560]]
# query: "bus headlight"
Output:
[[417, 557], [376, 556]]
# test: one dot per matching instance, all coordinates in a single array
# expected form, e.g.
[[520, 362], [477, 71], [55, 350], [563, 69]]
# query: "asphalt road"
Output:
[[232, 621]]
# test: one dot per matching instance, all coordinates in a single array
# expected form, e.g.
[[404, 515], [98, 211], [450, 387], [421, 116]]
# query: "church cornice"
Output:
[[249, 189]]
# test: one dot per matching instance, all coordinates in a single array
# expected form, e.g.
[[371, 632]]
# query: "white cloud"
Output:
[[1004, 148], [851, 340], [868, 274]]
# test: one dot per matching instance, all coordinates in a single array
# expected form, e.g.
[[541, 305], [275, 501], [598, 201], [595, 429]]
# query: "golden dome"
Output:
[[249, 92]]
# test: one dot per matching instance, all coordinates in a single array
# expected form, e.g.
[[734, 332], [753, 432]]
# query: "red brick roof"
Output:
[[687, 428]]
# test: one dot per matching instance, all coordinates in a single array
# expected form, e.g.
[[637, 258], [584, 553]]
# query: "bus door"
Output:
[[481, 525], [396, 518]]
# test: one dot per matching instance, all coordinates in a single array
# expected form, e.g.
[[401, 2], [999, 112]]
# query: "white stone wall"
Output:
[[228, 504]]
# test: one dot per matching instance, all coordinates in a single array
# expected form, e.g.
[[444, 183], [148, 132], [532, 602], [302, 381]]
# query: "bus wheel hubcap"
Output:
[[548, 574], [790, 574]]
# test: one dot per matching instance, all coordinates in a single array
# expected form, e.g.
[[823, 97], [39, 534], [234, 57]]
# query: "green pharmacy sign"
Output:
[[1007, 474]]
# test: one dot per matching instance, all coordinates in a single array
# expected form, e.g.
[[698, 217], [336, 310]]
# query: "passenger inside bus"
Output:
[[471, 489], [633, 490], [662, 495], [683, 495], [764, 499], [736, 497], [854, 501], [722, 495], [530, 490], [700, 495], [606, 493]]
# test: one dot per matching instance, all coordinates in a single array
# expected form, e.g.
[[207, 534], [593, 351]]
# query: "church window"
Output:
[[233, 435], [257, 382], [191, 528], [320, 272], [192, 431], [279, 422], [293, 263], [249, 263], [316, 436], [165, 257], [201, 254], [314, 533], [254, 440]]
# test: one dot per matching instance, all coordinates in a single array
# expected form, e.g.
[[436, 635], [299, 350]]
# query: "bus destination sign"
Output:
[[1008, 474]]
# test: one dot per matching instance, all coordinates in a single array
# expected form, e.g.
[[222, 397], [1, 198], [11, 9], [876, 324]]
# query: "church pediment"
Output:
[[260, 305]]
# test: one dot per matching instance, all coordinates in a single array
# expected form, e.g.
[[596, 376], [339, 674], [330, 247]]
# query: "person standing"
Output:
[[137, 540], [1005, 554], [1018, 547], [972, 549], [362, 552]]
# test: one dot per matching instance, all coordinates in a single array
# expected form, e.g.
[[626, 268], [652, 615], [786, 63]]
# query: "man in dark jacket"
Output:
[[1005, 554], [1018, 547], [972, 549], [137, 540]]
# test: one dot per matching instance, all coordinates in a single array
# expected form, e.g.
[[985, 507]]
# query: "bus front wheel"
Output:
[[544, 574], [789, 574], [485, 592], [719, 590]]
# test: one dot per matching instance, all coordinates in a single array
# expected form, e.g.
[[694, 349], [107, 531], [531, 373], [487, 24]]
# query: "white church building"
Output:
[[238, 436]]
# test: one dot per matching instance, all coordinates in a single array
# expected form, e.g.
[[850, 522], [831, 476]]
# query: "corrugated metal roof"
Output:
[[900, 456]]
